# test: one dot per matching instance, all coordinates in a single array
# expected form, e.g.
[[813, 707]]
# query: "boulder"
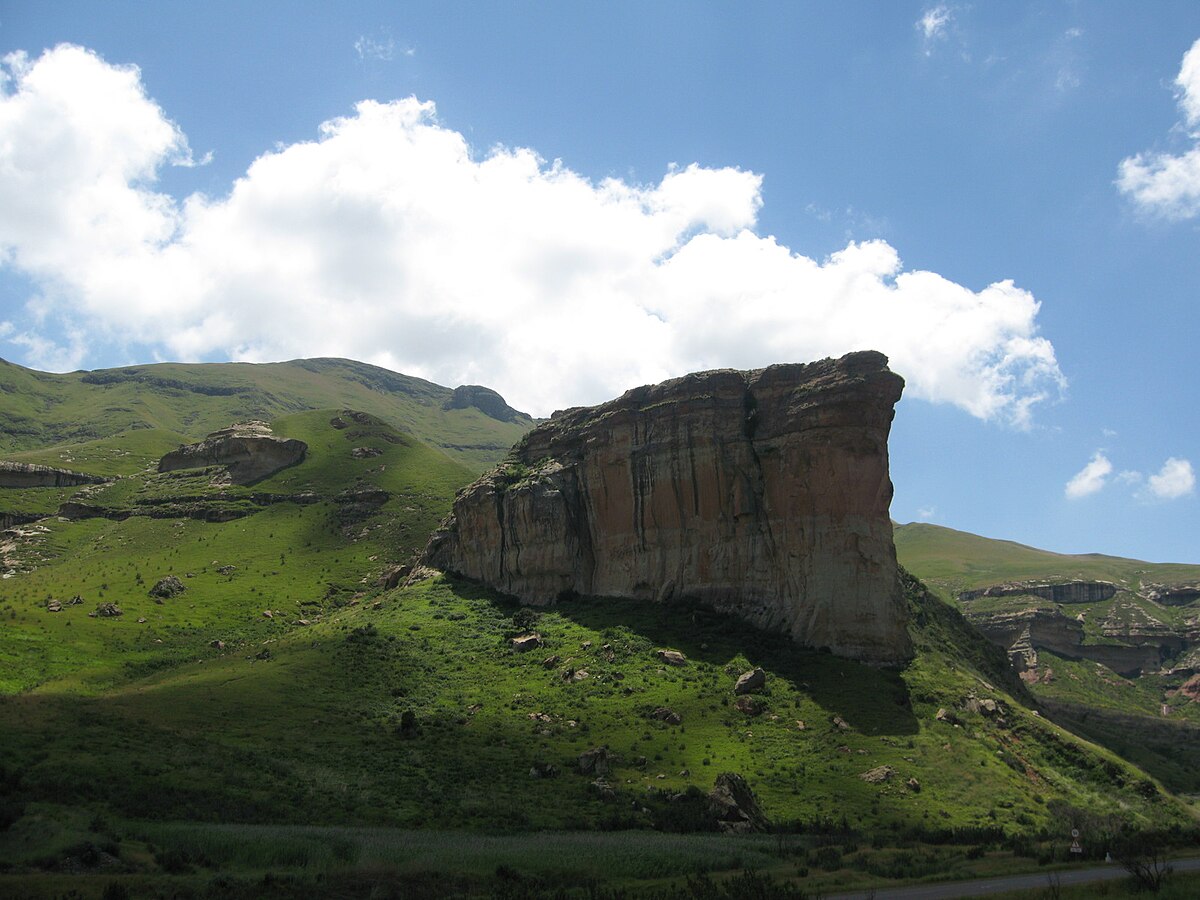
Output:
[[525, 642], [878, 775], [167, 587], [751, 681], [248, 451], [109, 610], [733, 805], [763, 494], [751, 706], [672, 657], [596, 761], [667, 715]]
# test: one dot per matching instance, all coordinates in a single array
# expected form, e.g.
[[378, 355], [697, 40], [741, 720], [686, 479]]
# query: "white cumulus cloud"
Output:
[[387, 238], [1091, 478], [1168, 184], [1174, 480]]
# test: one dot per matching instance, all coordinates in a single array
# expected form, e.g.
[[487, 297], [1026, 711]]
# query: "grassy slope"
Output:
[[150, 721], [40, 410], [951, 561], [1122, 713]]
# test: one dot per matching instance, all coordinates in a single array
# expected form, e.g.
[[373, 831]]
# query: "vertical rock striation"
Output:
[[764, 494]]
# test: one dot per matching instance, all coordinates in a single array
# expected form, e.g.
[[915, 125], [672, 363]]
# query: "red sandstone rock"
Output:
[[764, 494]]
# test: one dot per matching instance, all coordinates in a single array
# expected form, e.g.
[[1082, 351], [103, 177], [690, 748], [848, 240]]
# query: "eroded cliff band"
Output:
[[762, 493]]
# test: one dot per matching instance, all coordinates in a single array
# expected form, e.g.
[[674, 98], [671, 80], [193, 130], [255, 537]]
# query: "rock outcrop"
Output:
[[487, 401], [28, 475], [249, 451], [763, 493], [1060, 592]]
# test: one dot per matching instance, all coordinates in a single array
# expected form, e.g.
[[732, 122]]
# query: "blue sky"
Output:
[[562, 201]]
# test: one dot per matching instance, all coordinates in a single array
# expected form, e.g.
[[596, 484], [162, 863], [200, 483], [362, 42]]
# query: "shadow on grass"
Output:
[[872, 700]]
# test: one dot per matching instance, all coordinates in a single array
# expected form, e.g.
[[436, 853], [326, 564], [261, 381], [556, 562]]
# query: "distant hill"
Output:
[[39, 410], [1110, 645]]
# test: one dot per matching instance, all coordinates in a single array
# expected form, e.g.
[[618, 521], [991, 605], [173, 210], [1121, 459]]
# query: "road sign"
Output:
[[1075, 832], [1075, 848]]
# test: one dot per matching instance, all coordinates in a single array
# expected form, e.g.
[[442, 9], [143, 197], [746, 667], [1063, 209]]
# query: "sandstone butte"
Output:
[[763, 494]]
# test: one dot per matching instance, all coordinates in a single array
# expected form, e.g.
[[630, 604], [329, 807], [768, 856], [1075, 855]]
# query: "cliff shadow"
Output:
[[872, 700]]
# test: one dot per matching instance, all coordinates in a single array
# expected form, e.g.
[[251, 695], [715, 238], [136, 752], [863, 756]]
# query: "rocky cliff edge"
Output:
[[762, 493]]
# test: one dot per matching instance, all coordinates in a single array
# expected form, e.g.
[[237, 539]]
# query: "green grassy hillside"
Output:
[[1148, 719], [40, 411], [950, 561], [286, 686]]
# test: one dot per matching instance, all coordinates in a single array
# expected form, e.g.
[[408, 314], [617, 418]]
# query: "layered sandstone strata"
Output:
[[761, 493], [249, 451]]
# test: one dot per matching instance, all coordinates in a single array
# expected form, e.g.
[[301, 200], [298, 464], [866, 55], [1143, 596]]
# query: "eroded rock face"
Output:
[[761, 493], [249, 451], [27, 475], [1060, 592]]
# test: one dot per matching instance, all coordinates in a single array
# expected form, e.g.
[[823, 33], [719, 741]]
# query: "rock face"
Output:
[[249, 451], [763, 493], [27, 475], [1061, 592], [487, 401]]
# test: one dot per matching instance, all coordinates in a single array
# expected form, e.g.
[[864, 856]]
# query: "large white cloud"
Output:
[[1168, 184], [388, 239]]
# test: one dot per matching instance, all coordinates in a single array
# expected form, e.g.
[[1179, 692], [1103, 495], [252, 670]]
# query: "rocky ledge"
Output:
[[27, 475], [249, 451], [763, 493]]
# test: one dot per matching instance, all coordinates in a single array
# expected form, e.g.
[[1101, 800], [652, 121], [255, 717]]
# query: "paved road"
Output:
[[982, 886]]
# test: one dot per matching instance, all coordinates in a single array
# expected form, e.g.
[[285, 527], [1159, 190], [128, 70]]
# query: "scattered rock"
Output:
[[751, 681], [666, 714], [947, 716], [141, 620], [303, 622], [543, 770], [732, 804], [264, 653], [580, 675], [913, 785], [217, 645], [672, 657], [108, 610], [167, 587], [878, 775], [267, 614], [605, 790], [526, 642], [550, 661], [842, 724], [596, 761], [394, 577], [751, 706], [225, 570], [366, 452], [75, 601], [53, 606]]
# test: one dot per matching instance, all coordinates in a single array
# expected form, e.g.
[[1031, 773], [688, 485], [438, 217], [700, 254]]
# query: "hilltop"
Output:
[[174, 402]]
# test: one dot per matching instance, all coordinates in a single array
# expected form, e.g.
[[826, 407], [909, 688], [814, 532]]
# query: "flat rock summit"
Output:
[[762, 493]]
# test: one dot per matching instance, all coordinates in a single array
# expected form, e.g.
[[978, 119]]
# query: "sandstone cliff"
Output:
[[761, 493], [27, 475], [249, 451]]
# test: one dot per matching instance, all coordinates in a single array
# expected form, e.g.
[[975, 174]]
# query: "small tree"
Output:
[[1143, 857]]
